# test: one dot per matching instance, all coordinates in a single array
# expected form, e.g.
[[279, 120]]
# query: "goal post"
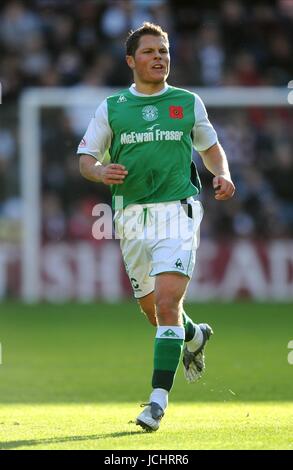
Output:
[[34, 99]]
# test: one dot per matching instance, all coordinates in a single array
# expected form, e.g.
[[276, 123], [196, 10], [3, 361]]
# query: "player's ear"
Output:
[[130, 61]]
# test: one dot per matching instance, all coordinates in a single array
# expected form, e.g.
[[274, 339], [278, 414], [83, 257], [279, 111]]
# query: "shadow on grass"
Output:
[[35, 442]]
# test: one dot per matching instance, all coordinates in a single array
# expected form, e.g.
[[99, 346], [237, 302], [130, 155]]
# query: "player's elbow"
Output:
[[82, 167], [210, 150], [85, 164]]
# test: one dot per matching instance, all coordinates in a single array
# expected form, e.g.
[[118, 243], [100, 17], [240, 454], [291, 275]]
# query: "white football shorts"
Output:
[[158, 238]]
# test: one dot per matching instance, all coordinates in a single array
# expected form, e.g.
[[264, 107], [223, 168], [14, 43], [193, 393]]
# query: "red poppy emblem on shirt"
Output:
[[176, 112]]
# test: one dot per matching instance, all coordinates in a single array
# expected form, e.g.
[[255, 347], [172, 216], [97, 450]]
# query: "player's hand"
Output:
[[113, 174], [224, 188]]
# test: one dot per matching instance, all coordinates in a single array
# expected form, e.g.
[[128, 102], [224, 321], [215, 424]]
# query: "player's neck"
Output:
[[149, 88]]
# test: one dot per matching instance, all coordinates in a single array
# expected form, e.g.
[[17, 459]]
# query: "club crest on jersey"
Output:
[[150, 113]]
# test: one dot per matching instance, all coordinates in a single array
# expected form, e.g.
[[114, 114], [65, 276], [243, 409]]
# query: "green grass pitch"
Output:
[[73, 377]]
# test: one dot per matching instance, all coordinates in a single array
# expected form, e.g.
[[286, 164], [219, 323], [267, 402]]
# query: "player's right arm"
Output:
[[93, 170], [93, 147]]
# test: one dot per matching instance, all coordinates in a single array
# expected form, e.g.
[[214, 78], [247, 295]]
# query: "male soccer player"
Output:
[[150, 130]]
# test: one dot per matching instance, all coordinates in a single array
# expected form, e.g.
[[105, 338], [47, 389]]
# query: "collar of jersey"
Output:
[[136, 93]]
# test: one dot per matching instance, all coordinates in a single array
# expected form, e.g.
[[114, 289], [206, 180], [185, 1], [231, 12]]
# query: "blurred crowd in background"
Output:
[[72, 43]]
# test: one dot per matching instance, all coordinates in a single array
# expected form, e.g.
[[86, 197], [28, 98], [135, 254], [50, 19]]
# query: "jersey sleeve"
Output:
[[204, 135], [97, 138]]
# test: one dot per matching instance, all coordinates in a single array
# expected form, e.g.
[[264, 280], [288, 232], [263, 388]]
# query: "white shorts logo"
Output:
[[150, 113]]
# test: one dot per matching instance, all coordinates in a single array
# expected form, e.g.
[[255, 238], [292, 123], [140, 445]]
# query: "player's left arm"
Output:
[[205, 141], [215, 160]]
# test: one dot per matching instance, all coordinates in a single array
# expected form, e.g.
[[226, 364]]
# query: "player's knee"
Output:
[[167, 310]]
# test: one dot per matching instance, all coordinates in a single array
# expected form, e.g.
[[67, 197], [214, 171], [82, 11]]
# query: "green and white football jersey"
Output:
[[153, 137]]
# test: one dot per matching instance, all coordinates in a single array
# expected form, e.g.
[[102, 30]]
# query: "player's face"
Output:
[[151, 62]]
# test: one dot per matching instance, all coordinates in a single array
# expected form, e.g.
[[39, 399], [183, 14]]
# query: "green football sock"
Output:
[[189, 327], [168, 347]]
